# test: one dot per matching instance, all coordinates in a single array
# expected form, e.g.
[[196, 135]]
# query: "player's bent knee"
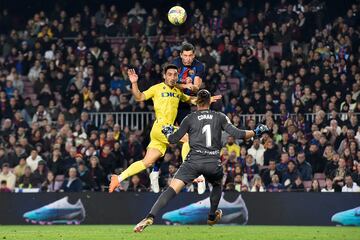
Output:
[[147, 163]]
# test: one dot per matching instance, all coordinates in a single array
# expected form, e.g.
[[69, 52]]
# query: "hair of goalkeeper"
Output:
[[203, 98]]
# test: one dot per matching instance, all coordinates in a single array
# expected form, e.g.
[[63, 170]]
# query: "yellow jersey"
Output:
[[166, 101]]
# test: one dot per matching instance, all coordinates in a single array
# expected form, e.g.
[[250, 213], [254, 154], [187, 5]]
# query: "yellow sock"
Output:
[[133, 169], [185, 150]]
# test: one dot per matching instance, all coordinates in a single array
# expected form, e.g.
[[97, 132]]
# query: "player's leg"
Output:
[[215, 214], [151, 156], [185, 174], [213, 172], [184, 152], [175, 187]]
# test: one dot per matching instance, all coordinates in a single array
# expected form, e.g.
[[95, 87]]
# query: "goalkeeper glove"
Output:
[[167, 130], [260, 129]]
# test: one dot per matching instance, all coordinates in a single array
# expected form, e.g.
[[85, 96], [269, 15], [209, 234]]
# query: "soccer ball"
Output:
[[177, 15]]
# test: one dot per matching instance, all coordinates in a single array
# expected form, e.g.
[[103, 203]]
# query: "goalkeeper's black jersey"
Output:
[[204, 129]]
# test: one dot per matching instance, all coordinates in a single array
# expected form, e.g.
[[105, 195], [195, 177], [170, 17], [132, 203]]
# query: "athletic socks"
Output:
[[215, 196], [133, 169], [161, 202]]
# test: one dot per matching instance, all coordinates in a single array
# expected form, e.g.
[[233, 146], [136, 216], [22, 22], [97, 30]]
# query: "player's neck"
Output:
[[203, 108], [169, 85]]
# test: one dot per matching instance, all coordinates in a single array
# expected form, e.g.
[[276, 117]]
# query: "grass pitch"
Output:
[[158, 232]]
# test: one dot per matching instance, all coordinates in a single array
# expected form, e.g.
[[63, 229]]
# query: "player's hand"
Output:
[[215, 98], [260, 129], [133, 77], [188, 80], [168, 130]]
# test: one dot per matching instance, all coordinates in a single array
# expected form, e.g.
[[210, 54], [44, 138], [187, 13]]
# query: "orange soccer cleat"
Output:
[[114, 183]]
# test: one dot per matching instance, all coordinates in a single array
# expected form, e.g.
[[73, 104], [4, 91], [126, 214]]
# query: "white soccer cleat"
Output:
[[154, 181], [201, 184]]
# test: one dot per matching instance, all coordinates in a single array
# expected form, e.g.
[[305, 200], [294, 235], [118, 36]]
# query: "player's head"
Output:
[[203, 98], [187, 53], [170, 74]]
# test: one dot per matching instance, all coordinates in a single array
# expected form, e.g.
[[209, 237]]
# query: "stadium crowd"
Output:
[[283, 57]]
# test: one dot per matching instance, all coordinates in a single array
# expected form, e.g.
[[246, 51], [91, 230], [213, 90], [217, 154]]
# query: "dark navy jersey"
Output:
[[196, 69], [205, 128]]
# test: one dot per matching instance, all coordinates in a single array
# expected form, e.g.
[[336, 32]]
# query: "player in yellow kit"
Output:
[[166, 97]]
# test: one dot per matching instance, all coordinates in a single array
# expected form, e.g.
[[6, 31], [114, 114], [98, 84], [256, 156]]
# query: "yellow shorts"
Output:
[[158, 139]]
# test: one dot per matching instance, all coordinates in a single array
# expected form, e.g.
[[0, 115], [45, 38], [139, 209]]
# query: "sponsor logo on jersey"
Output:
[[170, 94]]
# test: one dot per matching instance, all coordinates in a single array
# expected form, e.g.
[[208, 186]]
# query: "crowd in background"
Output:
[[284, 57]]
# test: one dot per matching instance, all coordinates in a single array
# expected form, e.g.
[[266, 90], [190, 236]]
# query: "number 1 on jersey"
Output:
[[207, 130]]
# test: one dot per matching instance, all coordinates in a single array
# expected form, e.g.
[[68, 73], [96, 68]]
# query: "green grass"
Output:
[[117, 232]]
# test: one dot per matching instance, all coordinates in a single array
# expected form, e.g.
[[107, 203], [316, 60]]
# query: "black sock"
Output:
[[215, 196], [161, 202]]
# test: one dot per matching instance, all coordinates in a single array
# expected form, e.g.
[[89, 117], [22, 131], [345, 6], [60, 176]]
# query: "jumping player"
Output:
[[166, 97], [191, 73], [204, 128]]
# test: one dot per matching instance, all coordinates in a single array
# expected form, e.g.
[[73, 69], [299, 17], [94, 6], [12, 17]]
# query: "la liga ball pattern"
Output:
[[177, 15]]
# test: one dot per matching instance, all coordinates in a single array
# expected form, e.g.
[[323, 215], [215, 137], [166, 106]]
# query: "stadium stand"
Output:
[[65, 97]]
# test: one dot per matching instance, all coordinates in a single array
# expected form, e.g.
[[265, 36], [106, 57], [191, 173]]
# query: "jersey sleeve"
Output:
[[200, 71], [228, 127], [150, 92], [183, 129], [184, 97]]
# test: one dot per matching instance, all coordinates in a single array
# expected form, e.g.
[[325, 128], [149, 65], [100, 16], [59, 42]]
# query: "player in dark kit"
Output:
[[191, 73], [204, 128]]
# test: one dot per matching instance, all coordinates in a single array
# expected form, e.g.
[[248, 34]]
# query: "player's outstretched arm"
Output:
[[133, 77], [212, 100], [243, 134]]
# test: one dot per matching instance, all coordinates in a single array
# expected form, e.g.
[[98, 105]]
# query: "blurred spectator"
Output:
[[50, 185], [350, 186], [72, 183], [329, 186], [270, 172], [304, 167], [135, 185], [257, 185], [291, 174], [298, 185], [28, 180], [315, 186], [33, 160], [3, 186], [19, 170], [275, 185], [8, 176], [257, 150]]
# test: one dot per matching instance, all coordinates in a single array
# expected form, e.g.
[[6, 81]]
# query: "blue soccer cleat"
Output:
[[197, 213], [58, 212], [347, 218]]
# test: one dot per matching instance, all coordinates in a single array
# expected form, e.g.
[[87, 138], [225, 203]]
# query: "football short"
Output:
[[157, 139], [190, 170]]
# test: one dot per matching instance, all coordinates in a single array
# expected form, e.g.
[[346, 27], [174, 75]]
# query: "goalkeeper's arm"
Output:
[[177, 135]]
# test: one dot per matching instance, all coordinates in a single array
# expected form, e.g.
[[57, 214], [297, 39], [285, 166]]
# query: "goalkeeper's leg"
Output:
[[175, 187]]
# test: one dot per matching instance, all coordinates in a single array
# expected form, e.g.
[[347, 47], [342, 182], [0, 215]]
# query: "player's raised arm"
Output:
[[133, 77], [175, 137], [228, 127], [193, 100]]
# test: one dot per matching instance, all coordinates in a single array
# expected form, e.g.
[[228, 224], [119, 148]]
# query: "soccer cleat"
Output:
[[154, 181], [114, 183], [234, 212], [58, 212], [349, 217], [143, 224], [218, 216]]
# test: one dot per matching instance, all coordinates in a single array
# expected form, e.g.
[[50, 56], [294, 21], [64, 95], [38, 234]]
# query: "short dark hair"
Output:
[[169, 66], [187, 47], [203, 97], [3, 182]]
